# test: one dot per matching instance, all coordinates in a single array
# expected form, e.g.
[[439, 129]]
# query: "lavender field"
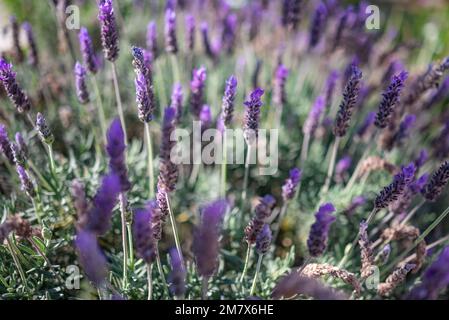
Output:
[[224, 149]]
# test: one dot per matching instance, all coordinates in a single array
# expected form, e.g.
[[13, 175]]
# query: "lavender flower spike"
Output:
[[33, 58], [177, 277], [116, 150], [263, 240], [348, 103], [80, 83], [91, 258], [176, 101], [190, 32], [317, 25], [390, 98], [279, 94], [44, 131], [291, 184], [363, 130], [206, 241], [252, 116], [27, 184], [109, 32], [5, 144], [393, 191], [197, 91], [87, 51], [171, 44], [318, 235], [227, 107], [145, 103], [143, 235], [206, 116], [432, 190], [311, 123], [330, 87], [151, 39], [20, 141], [262, 212], [291, 11], [168, 171], [12, 88]]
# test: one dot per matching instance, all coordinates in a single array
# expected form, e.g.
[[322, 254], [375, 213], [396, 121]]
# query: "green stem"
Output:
[[130, 245], [52, 160], [150, 282], [100, 108], [175, 69], [17, 263], [41, 253], [150, 159], [245, 267], [330, 169], [119, 100], [256, 275], [161, 270], [174, 228], [123, 205], [305, 148]]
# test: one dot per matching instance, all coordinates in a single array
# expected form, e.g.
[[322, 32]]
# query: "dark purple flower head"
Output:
[[80, 83], [151, 39], [280, 78], [262, 212], [291, 11], [109, 32], [418, 185], [205, 117], [341, 26], [342, 167], [87, 51], [91, 258], [263, 240], [210, 52], [319, 231], [15, 30], [349, 101], [363, 130], [317, 24], [5, 144], [12, 88], [171, 43], [26, 184], [33, 58], [100, 213], [252, 116], [330, 87], [206, 241], [439, 95], [116, 150], [312, 121], [197, 91], [227, 107], [177, 276], [404, 129], [390, 99], [143, 235], [190, 32], [395, 189], [435, 279], [43, 129], [291, 184], [145, 103], [229, 32], [176, 101], [168, 171], [432, 190]]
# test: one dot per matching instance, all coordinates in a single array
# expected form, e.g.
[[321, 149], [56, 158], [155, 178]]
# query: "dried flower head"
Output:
[[394, 280], [366, 252], [262, 212]]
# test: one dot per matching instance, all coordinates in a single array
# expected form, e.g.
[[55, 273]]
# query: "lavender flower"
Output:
[[44, 131], [145, 103], [404, 129], [205, 117], [291, 11], [229, 32], [227, 107], [206, 42], [252, 116], [317, 25], [206, 242], [342, 23], [439, 95], [116, 150], [168, 171], [109, 32], [12, 88], [279, 95], [161, 213], [263, 240], [394, 190], [20, 141], [330, 87], [435, 279], [25, 181], [355, 203], [100, 213], [18, 53], [261, 213], [176, 101], [432, 190], [171, 44], [151, 39], [291, 184], [390, 100], [80, 83], [311, 123], [143, 235], [33, 58], [91, 258], [190, 32], [5, 144], [87, 51], [363, 130], [350, 95], [177, 277], [197, 91], [342, 167], [319, 231]]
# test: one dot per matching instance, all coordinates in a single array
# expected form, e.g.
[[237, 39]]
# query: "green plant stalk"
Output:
[[41, 253], [119, 101], [256, 275], [224, 166], [100, 108], [123, 205], [52, 160], [245, 267], [175, 69], [150, 159], [330, 169], [149, 280], [305, 149], [17, 263], [130, 245], [161, 270], [174, 228]]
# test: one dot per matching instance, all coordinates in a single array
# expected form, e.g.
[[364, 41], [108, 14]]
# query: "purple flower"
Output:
[[91, 258], [432, 190], [197, 91], [330, 87], [116, 150], [395, 189], [5, 144], [317, 25], [252, 115], [291, 184], [435, 279], [319, 231], [177, 276], [12, 88], [262, 212], [439, 95], [18, 53], [229, 32], [279, 95], [227, 107], [206, 241], [350, 95], [171, 44], [44, 131], [80, 83], [311, 123], [263, 240], [26, 184], [176, 101], [151, 39], [33, 58], [190, 32], [87, 51], [418, 185], [363, 130], [422, 158], [390, 99], [21, 144], [355, 203], [109, 32], [342, 167], [404, 129], [206, 42], [342, 23], [18, 157], [100, 213], [143, 235], [168, 171], [205, 116], [145, 103], [291, 11]]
